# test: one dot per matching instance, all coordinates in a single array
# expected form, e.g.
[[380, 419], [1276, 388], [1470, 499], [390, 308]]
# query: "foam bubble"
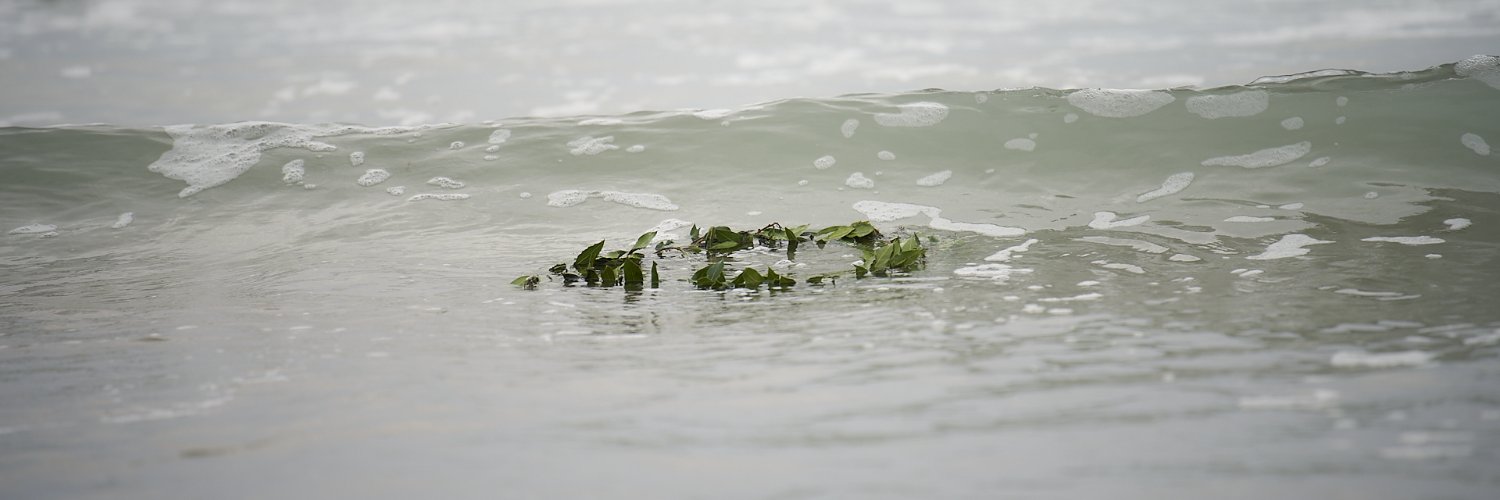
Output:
[[981, 98], [1484, 68], [1269, 157], [880, 211], [1320, 161], [396, 190], [492, 148], [1006, 254], [1291, 206], [936, 179], [1358, 359], [824, 162], [456, 145], [1020, 144], [123, 220], [886, 155], [1238, 104], [1070, 118], [1341, 101], [1174, 184], [1290, 245], [445, 183], [491, 157], [635, 149], [1129, 268], [1340, 120], [357, 158], [439, 197], [1475, 143], [1182, 257], [571, 197], [211, 155], [33, 229], [917, 114], [499, 136], [293, 171], [997, 272], [589, 145], [1293, 123], [849, 127], [1405, 240], [1247, 218], [1458, 223], [372, 177], [1106, 220], [858, 180], [524, 195], [1117, 103]]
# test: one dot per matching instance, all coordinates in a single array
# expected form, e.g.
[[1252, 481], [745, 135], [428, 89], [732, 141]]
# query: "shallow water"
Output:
[[1272, 290]]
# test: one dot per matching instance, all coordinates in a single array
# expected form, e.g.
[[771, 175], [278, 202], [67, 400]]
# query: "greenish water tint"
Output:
[[1280, 289]]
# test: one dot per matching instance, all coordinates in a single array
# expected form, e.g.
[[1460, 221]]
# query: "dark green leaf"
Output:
[[693, 233], [528, 282], [585, 260], [749, 278], [608, 276], [724, 245], [644, 241], [633, 275], [558, 269], [655, 279], [791, 244]]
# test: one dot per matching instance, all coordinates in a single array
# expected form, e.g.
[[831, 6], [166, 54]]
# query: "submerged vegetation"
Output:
[[626, 268]]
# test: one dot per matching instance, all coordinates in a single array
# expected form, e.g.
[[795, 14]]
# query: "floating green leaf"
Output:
[[585, 260], [528, 282], [631, 269], [749, 278], [643, 242], [655, 279]]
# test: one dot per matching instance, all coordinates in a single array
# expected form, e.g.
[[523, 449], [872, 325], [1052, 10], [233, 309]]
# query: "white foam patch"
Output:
[[858, 180], [396, 190], [1115, 103], [123, 220], [1385, 296], [849, 127], [33, 229], [372, 177], [1182, 257], [1238, 104], [635, 149], [1130, 268], [663, 228], [1341, 101], [211, 155], [713, 114], [1458, 223], [1174, 184], [1070, 118], [936, 179], [1340, 120], [1406, 240], [456, 145], [1137, 245], [445, 183], [492, 148], [499, 136], [1320, 161], [917, 114], [601, 121], [1475, 143], [1006, 254], [357, 158], [1291, 206], [439, 197], [491, 157], [1358, 359], [886, 155], [571, 197], [524, 195], [1247, 218], [1293, 123], [1075, 298], [1269, 157], [1106, 220], [1020, 144], [823, 162], [1290, 245], [294, 171], [589, 145], [1480, 67], [997, 272], [880, 211]]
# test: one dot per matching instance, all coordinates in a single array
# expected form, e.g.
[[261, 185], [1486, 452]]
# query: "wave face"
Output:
[[1315, 251]]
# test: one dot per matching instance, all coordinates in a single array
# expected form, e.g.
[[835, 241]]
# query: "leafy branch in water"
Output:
[[594, 267]]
